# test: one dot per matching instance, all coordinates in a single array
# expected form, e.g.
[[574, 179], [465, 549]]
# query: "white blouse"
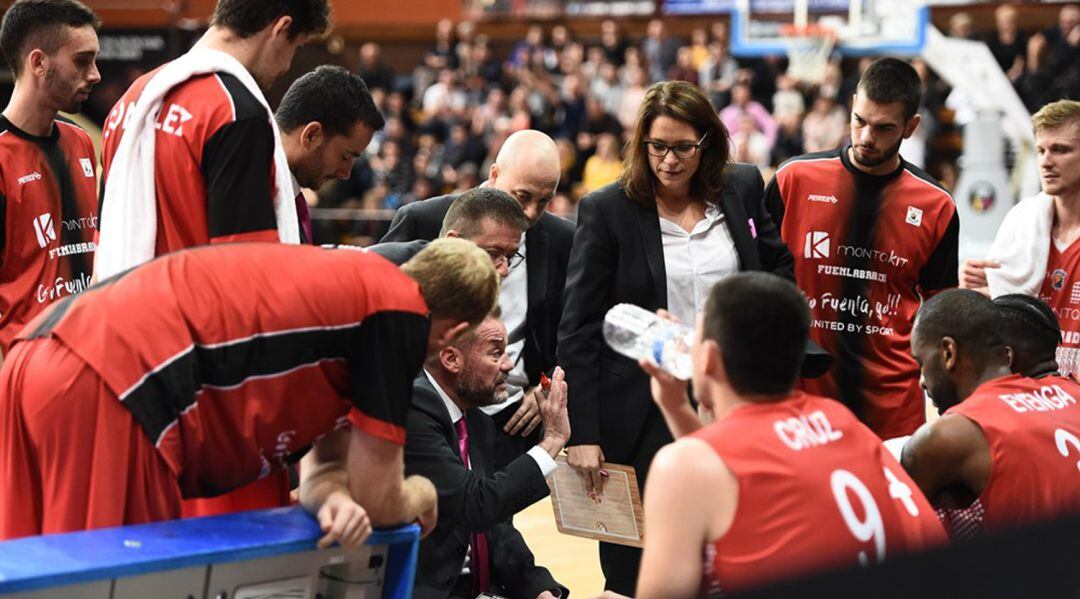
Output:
[[696, 261]]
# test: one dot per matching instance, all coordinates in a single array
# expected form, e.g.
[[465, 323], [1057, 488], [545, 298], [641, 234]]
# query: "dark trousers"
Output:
[[620, 563]]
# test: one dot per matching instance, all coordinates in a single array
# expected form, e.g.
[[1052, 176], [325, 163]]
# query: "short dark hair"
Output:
[[1029, 327], [889, 80], [332, 96], [967, 316], [248, 17], [761, 323], [469, 210], [684, 102], [31, 24]]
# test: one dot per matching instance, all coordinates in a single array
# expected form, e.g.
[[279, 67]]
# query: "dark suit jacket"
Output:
[[547, 252], [399, 252], [618, 257], [471, 500]]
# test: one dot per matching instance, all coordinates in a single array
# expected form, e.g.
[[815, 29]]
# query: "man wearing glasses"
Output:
[[531, 296]]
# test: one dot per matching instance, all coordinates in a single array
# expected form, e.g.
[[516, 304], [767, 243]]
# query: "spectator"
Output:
[[960, 26], [632, 97], [607, 88], [1007, 43], [825, 126], [660, 50], [699, 48], [787, 100], [748, 144], [604, 166], [613, 42], [684, 69], [742, 103], [376, 73], [718, 74]]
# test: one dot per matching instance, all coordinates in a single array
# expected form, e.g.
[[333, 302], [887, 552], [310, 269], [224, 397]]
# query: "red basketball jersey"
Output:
[[213, 162], [867, 250], [1061, 291], [235, 358], [1033, 429], [817, 490], [48, 202]]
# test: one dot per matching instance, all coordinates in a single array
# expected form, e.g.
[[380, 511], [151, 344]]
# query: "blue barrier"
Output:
[[51, 561]]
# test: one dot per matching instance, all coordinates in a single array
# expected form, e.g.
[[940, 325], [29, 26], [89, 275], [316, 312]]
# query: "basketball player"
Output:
[[872, 236], [201, 372], [1007, 449], [48, 171], [781, 483]]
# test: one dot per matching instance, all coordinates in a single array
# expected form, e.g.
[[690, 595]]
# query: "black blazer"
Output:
[[399, 252], [471, 500], [547, 252], [618, 257]]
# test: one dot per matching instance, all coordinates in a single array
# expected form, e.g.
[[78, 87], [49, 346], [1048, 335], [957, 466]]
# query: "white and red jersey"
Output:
[[1061, 291], [867, 249], [1033, 429], [817, 490]]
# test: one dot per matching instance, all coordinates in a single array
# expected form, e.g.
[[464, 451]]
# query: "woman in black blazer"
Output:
[[679, 218]]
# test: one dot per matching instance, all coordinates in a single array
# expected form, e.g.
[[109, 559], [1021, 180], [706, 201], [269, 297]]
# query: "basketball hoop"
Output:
[[808, 48]]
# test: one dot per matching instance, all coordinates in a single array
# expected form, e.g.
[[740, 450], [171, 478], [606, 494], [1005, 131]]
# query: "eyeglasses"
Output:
[[684, 150], [511, 260]]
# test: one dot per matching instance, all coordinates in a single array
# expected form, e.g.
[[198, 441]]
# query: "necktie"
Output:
[[479, 540], [304, 216]]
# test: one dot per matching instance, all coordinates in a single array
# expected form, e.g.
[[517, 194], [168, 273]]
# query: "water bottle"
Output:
[[637, 333]]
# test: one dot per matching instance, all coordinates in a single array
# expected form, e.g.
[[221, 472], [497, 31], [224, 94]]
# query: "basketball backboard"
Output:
[[860, 27]]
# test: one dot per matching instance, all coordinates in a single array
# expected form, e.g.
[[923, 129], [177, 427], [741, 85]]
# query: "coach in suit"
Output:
[[485, 216], [473, 547], [680, 218], [527, 168]]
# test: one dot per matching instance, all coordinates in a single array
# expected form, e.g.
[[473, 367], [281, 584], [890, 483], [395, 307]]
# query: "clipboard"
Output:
[[614, 517]]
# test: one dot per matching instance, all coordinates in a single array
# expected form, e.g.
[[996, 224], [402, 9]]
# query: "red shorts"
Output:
[[71, 457]]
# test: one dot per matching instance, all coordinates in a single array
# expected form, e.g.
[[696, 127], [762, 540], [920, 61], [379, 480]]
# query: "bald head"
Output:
[[527, 168]]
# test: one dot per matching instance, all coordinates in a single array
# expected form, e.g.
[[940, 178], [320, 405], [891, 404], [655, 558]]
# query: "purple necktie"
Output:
[[479, 540], [304, 217]]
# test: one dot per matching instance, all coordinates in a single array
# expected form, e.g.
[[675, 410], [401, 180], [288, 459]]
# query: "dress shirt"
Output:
[[695, 261]]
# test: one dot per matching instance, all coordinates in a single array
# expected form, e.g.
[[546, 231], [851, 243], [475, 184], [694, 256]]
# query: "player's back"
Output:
[[1032, 427], [817, 490]]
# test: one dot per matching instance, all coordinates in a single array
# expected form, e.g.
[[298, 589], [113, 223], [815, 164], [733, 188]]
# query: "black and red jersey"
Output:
[[234, 358], [867, 250], [48, 189], [213, 162], [1061, 291]]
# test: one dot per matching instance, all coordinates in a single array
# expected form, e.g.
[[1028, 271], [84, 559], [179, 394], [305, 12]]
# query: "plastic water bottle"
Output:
[[637, 333]]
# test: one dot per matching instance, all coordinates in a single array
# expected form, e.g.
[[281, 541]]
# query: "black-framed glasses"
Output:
[[684, 150], [511, 260]]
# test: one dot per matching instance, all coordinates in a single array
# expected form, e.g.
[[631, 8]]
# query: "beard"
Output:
[[884, 157], [63, 94], [477, 394]]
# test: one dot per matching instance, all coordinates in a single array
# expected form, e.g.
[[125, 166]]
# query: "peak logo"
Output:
[[817, 246], [43, 228], [821, 198]]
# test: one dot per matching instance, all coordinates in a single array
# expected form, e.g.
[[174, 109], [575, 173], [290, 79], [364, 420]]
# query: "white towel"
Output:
[[1022, 247], [128, 231]]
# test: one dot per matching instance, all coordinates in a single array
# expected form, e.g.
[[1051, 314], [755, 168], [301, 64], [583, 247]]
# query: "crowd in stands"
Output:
[[448, 117]]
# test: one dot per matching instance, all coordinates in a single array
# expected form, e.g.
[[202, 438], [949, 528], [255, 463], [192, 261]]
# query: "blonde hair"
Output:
[[457, 279], [1056, 114]]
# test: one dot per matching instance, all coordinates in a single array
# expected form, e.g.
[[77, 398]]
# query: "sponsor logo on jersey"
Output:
[[914, 216], [1057, 279], [890, 257], [62, 287], [72, 249], [87, 167], [43, 228], [1074, 295], [822, 198], [34, 176], [817, 246], [78, 224]]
